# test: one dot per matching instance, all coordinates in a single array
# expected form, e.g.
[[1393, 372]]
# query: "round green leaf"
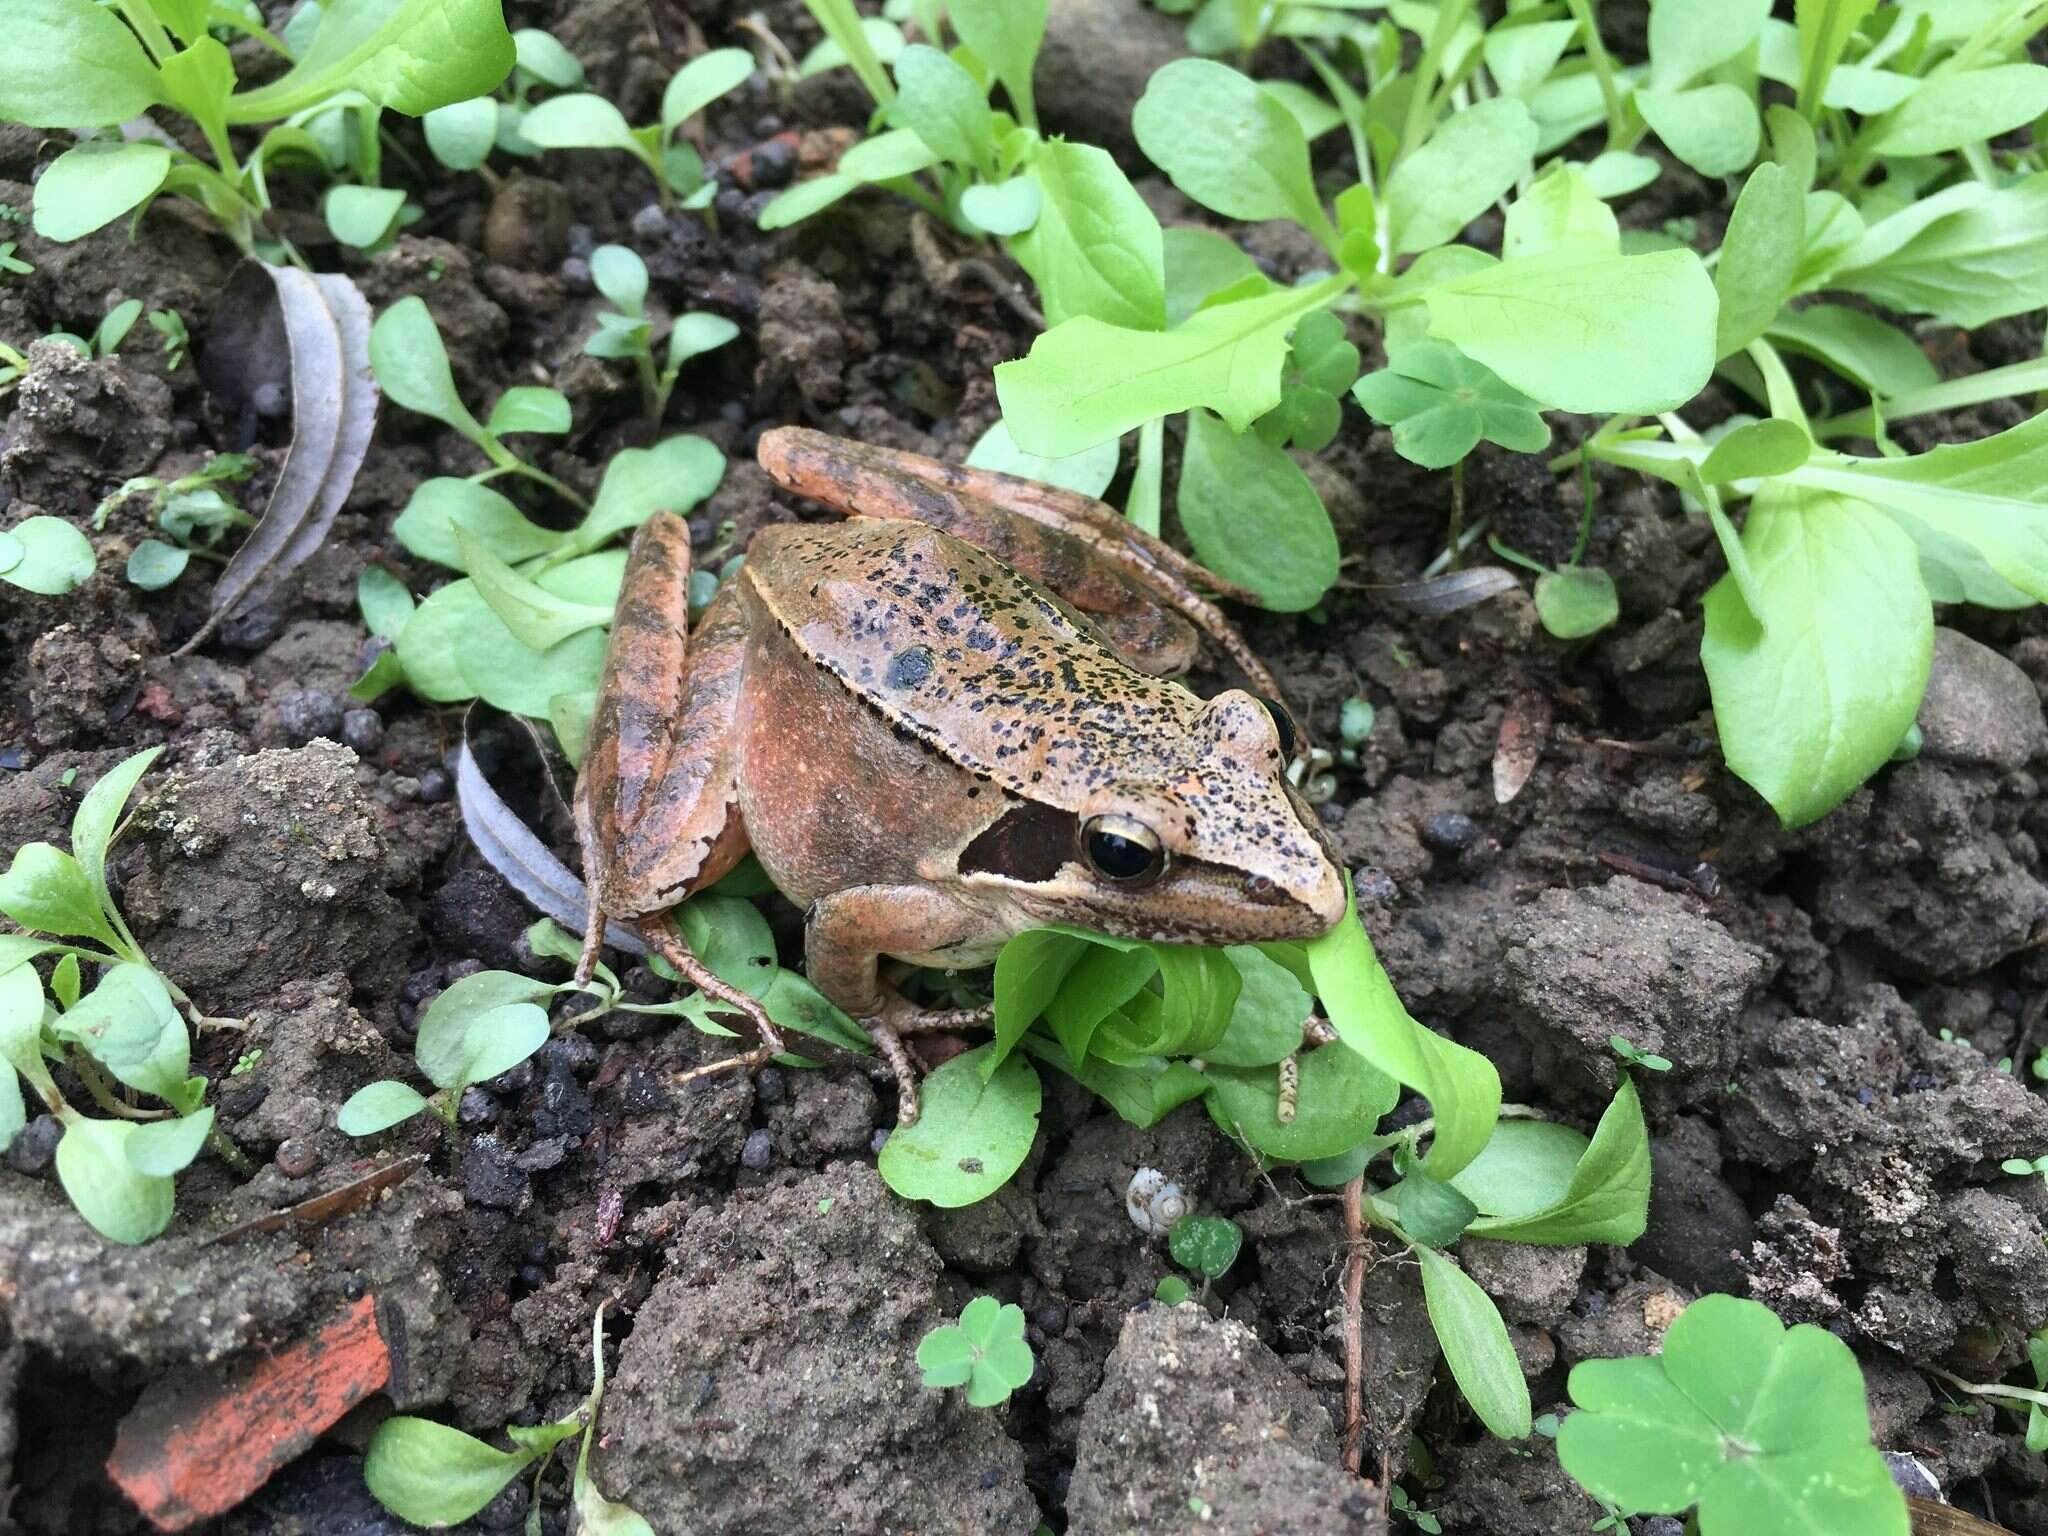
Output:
[[427, 525], [441, 1047], [542, 55], [154, 565], [579, 121], [462, 134], [117, 1200], [1576, 602], [1228, 144], [363, 216], [1206, 1244], [971, 1136], [91, 185], [55, 556], [1340, 1100], [432, 1475], [498, 1040], [700, 82], [621, 276], [162, 1148], [411, 366], [1265, 1024], [377, 1107]]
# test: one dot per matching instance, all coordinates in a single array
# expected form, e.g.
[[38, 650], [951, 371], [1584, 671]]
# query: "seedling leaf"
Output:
[[1475, 1345], [970, 1136], [117, 1200], [91, 185], [377, 1107], [436, 1476]]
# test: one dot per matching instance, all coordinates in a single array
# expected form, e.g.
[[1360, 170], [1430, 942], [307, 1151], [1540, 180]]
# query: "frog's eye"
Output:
[[1122, 850], [1283, 727]]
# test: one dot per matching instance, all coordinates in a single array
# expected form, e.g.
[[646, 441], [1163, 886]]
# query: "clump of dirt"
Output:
[[783, 1338], [264, 870], [79, 426]]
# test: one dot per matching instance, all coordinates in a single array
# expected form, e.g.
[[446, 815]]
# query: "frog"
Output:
[[946, 718]]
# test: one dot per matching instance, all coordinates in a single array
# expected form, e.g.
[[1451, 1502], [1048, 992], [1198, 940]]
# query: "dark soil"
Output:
[[1837, 1000]]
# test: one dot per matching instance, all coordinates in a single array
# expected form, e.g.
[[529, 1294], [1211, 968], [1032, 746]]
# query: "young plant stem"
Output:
[[224, 1149], [102, 1090], [1603, 69], [1354, 1325], [1457, 512], [1586, 504]]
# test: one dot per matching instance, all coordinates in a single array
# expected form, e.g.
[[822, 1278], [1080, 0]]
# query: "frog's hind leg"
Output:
[[1139, 590], [656, 809]]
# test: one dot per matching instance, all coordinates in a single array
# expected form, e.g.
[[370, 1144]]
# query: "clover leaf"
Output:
[[984, 1352], [1440, 403], [1764, 1428]]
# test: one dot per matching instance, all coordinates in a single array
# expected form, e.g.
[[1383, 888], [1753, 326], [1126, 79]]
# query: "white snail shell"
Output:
[[1154, 1202]]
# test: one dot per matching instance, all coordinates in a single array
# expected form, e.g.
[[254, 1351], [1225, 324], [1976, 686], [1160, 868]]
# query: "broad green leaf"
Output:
[[1143, 1095], [1947, 111], [1472, 161], [1968, 255], [732, 938], [1604, 1196], [1524, 1170], [441, 1047], [439, 506], [1208, 1245], [1560, 212], [620, 275], [1228, 145], [377, 1107], [1085, 382], [1429, 1211], [498, 1039], [409, 56], [130, 1026], [54, 556], [456, 648], [529, 408], [1102, 981], [432, 1475], [1440, 403], [579, 121], [1005, 35], [1825, 27], [695, 334], [1254, 517], [805, 199], [1586, 333], [463, 133], [1475, 1345], [1616, 173], [411, 366], [74, 65], [91, 185], [1576, 601], [1462, 1086], [21, 1033], [1712, 128], [1765, 1428], [1690, 37], [362, 216], [672, 476], [970, 1135], [47, 891], [899, 152], [117, 1200], [13, 1111], [1029, 971], [154, 565], [1199, 262], [1088, 471], [1311, 112], [536, 616], [1190, 1011], [1005, 207], [1342, 1097], [1266, 1021], [945, 106], [1095, 249], [1759, 257], [1812, 694], [1521, 58], [162, 1148], [99, 813], [1757, 449], [1857, 345], [700, 82]]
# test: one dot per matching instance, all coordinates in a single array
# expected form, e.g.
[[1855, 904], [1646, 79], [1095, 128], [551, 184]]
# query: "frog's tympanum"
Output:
[[938, 723]]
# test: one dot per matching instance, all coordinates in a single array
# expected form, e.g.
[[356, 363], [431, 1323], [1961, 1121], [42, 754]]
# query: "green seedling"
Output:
[[96, 67], [581, 120], [481, 1026], [45, 555], [1172, 1291], [170, 325], [1760, 1428], [12, 265], [1354, 725], [627, 332], [1635, 1056], [431, 1475], [119, 1170], [1208, 1245], [1414, 1514], [2024, 1167], [984, 1352], [463, 134], [192, 511], [862, 43]]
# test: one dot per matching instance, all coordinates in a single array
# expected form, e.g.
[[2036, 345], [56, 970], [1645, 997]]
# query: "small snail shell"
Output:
[[1154, 1202]]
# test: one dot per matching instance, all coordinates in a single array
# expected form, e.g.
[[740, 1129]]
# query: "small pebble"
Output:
[[774, 163], [1912, 1476], [1448, 831], [582, 240], [513, 1080], [477, 1108], [767, 126], [733, 413], [575, 271], [532, 1276], [35, 1145], [1661, 1525], [306, 713], [353, 1288], [571, 1051], [759, 1152], [878, 1141], [770, 1086], [436, 786], [297, 1157], [13, 759], [651, 222], [729, 204], [1374, 884], [1051, 1319], [362, 730]]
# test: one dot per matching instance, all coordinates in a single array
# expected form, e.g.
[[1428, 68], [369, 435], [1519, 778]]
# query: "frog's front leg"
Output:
[[656, 809], [846, 934]]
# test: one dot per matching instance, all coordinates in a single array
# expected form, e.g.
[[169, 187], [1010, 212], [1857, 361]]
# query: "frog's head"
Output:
[[1202, 840]]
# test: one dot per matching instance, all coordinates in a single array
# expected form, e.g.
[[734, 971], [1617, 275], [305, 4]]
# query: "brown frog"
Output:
[[927, 749]]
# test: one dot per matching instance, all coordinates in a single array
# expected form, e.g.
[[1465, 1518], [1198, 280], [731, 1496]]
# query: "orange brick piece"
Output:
[[196, 1446]]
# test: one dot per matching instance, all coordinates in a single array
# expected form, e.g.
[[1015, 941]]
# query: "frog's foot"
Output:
[[900, 1017], [663, 941]]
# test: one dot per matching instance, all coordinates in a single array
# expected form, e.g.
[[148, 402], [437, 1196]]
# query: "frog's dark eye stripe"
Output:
[[1122, 850], [1283, 724], [1030, 843]]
